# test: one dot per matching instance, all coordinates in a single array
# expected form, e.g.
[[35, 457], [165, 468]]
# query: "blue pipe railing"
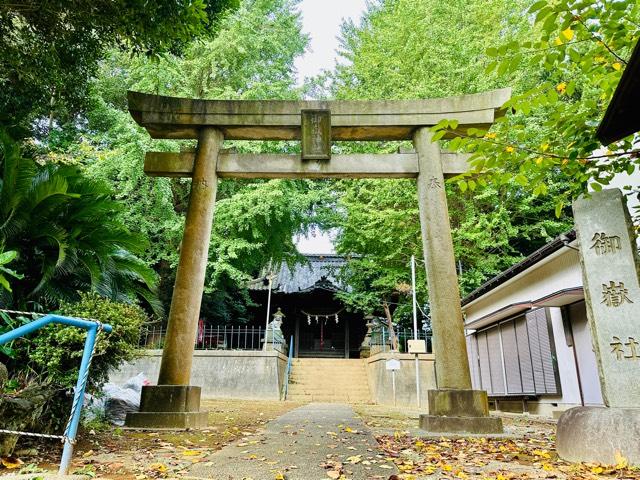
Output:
[[93, 327], [287, 372]]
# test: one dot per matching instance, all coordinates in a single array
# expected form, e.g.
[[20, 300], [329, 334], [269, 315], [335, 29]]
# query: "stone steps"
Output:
[[298, 397], [328, 380]]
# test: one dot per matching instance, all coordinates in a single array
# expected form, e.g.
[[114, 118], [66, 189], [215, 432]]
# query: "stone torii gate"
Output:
[[454, 407]]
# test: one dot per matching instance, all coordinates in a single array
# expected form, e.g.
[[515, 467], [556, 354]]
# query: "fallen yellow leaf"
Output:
[[621, 461], [11, 462], [158, 467], [191, 453]]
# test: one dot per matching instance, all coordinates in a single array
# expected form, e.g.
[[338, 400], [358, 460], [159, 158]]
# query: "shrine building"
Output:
[[314, 317]]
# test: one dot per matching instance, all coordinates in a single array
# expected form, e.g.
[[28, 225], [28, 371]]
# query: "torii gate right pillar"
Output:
[[454, 406]]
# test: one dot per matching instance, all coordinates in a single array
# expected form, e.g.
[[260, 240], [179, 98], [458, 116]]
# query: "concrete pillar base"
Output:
[[459, 411], [168, 406], [171, 420], [459, 425], [599, 434]]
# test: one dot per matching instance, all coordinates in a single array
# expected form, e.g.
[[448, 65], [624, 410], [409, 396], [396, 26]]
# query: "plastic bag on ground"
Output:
[[120, 400]]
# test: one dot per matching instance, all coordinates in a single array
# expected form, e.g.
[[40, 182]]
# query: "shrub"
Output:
[[56, 351]]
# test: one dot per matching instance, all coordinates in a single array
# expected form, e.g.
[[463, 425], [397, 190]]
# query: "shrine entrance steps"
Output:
[[321, 354], [329, 380]]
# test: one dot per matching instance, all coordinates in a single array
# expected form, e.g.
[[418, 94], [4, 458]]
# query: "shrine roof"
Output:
[[317, 271], [182, 118]]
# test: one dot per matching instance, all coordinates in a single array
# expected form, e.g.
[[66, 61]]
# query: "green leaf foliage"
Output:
[[55, 351], [251, 56], [423, 49], [574, 58], [65, 230], [49, 50], [5, 258]]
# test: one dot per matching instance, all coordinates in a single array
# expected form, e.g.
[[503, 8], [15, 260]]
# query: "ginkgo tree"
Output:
[[575, 60]]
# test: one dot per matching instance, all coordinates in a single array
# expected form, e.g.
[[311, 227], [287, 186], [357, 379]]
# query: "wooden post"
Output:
[[346, 338], [296, 349], [177, 355]]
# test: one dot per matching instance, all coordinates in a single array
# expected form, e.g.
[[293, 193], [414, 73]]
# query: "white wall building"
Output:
[[527, 334]]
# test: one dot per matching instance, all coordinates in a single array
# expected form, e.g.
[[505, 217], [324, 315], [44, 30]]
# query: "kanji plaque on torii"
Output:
[[455, 406], [315, 135]]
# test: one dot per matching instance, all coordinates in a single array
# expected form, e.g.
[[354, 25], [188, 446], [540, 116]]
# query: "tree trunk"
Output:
[[392, 332]]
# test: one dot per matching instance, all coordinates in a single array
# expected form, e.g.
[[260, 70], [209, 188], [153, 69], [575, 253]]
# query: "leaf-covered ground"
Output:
[[528, 452], [130, 455]]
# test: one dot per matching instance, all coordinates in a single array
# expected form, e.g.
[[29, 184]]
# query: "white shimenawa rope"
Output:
[[76, 400]]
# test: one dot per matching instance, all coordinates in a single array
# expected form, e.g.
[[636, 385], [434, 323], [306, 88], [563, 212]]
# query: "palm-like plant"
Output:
[[66, 230]]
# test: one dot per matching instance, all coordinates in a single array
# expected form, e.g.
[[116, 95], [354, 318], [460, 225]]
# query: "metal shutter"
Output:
[[511, 360], [524, 356], [474, 367], [483, 362], [536, 354], [541, 352], [495, 361], [547, 352]]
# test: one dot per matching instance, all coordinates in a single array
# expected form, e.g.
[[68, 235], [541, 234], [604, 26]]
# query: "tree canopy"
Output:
[[49, 50], [406, 49], [251, 56], [575, 56], [65, 68]]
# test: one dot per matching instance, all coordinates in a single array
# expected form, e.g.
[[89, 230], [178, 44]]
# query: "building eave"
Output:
[[622, 118]]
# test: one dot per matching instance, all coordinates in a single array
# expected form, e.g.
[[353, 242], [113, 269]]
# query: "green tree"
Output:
[[251, 56], [422, 49], [66, 231], [576, 53], [49, 50]]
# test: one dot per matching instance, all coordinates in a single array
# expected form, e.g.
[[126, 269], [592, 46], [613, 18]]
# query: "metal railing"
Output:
[[287, 372], [381, 342], [214, 338], [93, 328]]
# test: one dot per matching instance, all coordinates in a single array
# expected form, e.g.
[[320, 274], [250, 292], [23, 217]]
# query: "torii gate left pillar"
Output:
[[173, 402], [454, 407]]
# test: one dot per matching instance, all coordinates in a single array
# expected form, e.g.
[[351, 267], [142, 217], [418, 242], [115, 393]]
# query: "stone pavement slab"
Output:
[[314, 442]]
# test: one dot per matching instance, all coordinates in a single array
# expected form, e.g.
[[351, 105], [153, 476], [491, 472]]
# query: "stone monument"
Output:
[[610, 268]]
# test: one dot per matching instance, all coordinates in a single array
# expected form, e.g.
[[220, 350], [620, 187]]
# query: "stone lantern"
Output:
[[365, 346]]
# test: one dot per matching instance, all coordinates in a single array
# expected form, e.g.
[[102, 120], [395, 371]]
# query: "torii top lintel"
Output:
[[182, 118]]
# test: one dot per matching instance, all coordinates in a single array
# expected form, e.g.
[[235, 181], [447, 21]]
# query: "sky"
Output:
[[321, 19]]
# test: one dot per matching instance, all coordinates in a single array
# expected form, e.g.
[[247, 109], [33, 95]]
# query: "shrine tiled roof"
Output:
[[314, 272]]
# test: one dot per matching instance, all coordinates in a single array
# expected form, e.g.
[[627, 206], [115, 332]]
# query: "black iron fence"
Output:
[[215, 338], [381, 340]]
